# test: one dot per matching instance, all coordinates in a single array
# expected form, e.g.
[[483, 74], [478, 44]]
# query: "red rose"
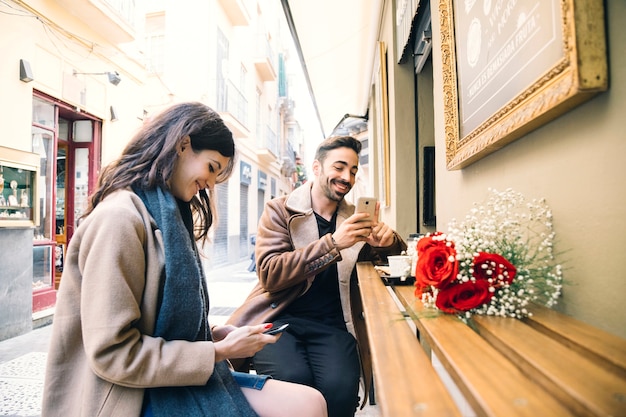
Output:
[[436, 263], [463, 297], [429, 240], [495, 267]]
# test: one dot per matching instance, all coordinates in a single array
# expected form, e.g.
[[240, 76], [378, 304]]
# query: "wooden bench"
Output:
[[547, 365]]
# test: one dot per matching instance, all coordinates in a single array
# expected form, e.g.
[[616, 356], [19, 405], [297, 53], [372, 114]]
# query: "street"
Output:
[[22, 358]]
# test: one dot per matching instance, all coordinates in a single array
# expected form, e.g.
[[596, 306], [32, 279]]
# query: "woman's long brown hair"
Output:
[[149, 158]]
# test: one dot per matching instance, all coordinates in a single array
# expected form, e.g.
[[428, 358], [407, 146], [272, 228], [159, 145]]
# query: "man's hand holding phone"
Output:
[[368, 205], [359, 226], [381, 235]]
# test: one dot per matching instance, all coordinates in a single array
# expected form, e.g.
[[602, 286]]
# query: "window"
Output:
[[155, 51], [43, 140], [257, 110], [243, 74], [222, 71]]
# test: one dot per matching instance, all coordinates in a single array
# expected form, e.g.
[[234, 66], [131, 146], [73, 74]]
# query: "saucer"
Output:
[[398, 280]]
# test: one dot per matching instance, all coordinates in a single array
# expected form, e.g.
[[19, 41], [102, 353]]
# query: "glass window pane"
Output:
[[42, 267], [81, 183], [43, 112], [42, 142], [61, 188], [83, 131], [64, 129], [16, 192]]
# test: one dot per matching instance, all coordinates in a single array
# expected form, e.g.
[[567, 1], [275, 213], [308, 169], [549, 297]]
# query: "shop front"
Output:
[[43, 194], [68, 143]]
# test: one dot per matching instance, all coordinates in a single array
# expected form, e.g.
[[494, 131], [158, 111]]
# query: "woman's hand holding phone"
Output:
[[277, 329], [244, 342]]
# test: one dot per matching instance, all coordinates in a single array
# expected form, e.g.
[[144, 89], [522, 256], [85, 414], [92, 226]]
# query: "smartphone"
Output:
[[276, 330], [366, 205]]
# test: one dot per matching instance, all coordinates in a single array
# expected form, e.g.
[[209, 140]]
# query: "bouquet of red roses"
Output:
[[496, 262]]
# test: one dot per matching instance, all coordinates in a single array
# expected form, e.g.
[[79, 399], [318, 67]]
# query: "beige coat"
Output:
[[101, 354], [289, 253]]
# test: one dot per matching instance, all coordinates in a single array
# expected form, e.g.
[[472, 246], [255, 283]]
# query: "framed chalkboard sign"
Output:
[[510, 66]]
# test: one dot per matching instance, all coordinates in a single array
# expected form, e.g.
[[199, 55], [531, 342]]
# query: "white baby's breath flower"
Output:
[[520, 231]]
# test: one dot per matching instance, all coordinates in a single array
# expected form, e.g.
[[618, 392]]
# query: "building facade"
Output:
[[574, 159], [79, 77]]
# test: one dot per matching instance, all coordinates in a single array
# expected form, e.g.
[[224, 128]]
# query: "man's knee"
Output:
[[341, 403], [341, 392], [295, 374], [339, 382]]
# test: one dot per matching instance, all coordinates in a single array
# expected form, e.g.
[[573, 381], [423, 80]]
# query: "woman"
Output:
[[130, 333]]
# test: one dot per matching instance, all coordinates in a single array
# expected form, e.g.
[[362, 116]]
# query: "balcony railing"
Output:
[[268, 146], [290, 153], [264, 60], [271, 140], [114, 20], [125, 8], [289, 160], [237, 104], [237, 11], [234, 110]]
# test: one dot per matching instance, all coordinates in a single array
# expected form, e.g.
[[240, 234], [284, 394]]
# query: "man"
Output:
[[307, 245]]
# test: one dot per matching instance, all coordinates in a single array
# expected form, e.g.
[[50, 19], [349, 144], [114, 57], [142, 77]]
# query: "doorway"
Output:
[[68, 141]]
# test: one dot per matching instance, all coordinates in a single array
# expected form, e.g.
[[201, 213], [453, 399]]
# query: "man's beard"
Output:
[[332, 194]]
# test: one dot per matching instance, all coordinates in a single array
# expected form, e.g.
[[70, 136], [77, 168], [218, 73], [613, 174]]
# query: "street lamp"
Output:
[[114, 76]]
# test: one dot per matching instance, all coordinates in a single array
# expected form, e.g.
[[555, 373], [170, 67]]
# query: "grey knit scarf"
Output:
[[182, 315]]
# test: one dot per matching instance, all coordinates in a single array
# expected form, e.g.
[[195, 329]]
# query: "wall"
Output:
[[425, 131], [53, 54], [401, 215], [577, 163], [55, 43], [16, 277]]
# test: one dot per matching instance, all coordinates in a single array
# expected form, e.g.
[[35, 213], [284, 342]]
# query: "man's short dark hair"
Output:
[[335, 142]]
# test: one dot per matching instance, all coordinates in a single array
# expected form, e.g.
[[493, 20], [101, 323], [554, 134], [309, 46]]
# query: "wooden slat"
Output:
[[604, 348], [406, 384], [580, 384], [491, 383]]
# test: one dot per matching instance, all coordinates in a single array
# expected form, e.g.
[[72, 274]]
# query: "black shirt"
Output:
[[321, 302]]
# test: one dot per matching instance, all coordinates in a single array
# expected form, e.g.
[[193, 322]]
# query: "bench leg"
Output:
[[372, 394]]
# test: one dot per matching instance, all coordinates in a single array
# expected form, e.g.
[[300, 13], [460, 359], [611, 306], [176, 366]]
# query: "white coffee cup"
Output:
[[399, 265]]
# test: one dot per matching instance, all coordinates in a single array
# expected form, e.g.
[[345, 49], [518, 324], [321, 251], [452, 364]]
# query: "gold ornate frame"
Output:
[[581, 73]]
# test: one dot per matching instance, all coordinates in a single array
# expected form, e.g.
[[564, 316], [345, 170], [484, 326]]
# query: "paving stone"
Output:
[[21, 385], [23, 358]]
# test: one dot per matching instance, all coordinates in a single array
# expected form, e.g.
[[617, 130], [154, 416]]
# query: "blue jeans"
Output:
[[245, 380]]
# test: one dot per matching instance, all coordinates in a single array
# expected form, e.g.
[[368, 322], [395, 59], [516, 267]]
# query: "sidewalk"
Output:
[[22, 358]]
